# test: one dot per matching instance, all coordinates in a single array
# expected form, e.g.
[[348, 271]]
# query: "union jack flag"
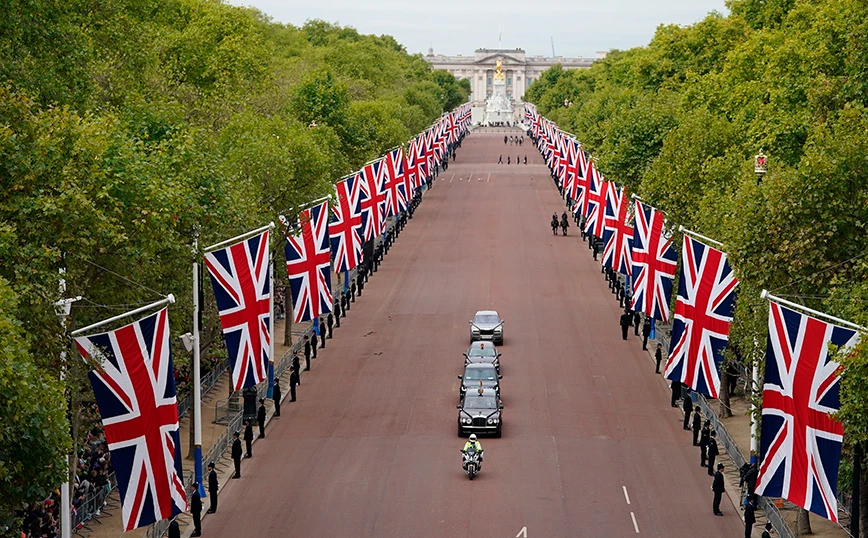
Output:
[[595, 199], [241, 278], [654, 263], [575, 169], [373, 198], [346, 227], [134, 387], [580, 204], [307, 264], [395, 182], [800, 439], [416, 166], [617, 232], [429, 142], [703, 314]]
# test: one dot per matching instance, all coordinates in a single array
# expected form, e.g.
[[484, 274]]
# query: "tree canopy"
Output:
[[127, 125]]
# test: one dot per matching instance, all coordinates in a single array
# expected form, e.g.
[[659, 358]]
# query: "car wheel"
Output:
[[460, 431], [499, 342], [499, 432]]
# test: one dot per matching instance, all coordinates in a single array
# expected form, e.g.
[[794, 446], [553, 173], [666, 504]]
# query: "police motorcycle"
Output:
[[472, 461]]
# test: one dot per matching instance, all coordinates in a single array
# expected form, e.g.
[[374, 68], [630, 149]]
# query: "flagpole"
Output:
[[62, 307], [766, 295], [684, 230], [197, 373], [170, 299], [271, 329], [251, 233]]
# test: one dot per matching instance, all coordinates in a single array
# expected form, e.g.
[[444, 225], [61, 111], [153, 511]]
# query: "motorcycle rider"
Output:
[[472, 442], [555, 223]]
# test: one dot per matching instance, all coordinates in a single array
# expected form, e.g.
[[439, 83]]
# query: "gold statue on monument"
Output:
[[498, 74]]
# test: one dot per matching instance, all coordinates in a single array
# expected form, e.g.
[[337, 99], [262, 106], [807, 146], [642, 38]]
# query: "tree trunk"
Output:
[[803, 523], [725, 411], [287, 323]]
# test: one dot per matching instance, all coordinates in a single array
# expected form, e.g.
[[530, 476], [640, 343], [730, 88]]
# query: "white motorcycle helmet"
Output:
[[473, 437]]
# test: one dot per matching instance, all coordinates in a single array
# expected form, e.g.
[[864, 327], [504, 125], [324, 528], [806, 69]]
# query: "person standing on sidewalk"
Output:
[[213, 487], [174, 530], [276, 396], [687, 405], [704, 437], [330, 322], [658, 357], [248, 438], [646, 332], [712, 450], [675, 386], [322, 332], [196, 510], [293, 382], [696, 426], [626, 318], [718, 488], [749, 515], [306, 353], [260, 417], [637, 320], [236, 454]]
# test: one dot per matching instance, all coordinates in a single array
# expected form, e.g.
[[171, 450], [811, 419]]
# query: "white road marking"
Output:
[[627, 497], [635, 525], [489, 177], [453, 177], [522, 533]]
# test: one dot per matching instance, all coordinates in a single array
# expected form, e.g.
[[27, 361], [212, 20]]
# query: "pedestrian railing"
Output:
[[92, 506], [208, 381], [766, 504]]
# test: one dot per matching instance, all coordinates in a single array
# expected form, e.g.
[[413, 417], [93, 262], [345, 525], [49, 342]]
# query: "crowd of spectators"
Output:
[[93, 476]]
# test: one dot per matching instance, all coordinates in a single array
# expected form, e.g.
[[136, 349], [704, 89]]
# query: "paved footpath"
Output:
[[590, 445]]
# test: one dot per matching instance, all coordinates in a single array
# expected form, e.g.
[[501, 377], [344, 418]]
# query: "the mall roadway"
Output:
[[370, 448]]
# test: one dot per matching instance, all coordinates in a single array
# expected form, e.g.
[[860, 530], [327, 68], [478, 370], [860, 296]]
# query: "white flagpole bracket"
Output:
[[170, 299], [684, 230], [251, 233], [766, 295]]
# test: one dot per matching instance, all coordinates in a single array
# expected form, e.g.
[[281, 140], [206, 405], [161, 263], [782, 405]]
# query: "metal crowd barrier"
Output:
[[768, 507], [92, 506], [208, 381]]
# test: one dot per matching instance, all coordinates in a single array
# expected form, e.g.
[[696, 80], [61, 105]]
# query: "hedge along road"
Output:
[[370, 447]]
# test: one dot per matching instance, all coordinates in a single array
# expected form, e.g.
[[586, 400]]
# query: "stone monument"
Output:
[[498, 108]]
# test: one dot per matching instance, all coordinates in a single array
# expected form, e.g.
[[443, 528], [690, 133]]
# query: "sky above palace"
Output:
[[578, 27]]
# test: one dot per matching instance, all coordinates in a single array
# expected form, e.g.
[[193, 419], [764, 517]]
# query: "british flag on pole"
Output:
[[345, 229], [595, 200], [395, 181], [373, 198], [241, 279], [307, 264], [800, 439], [617, 232], [703, 314], [654, 263], [134, 387]]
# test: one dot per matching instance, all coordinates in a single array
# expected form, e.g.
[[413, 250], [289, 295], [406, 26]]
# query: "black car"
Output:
[[479, 375], [481, 411], [483, 353]]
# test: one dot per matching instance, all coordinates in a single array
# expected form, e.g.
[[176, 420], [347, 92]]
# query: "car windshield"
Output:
[[480, 374], [482, 352], [487, 318], [475, 401]]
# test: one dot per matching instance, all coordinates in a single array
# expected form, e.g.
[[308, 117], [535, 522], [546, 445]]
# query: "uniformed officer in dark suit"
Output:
[[196, 511], [749, 516], [687, 406], [236, 454], [213, 487], [293, 382], [174, 530], [260, 417], [345, 298], [276, 394], [704, 437], [322, 332], [696, 426], [306, 353], [718, 488], [337, 318], [646, 333], [313, 345], [658, 357], [353, 284], [712, 451], [248, 438], [637, 319], [626, 318], [295, 361]]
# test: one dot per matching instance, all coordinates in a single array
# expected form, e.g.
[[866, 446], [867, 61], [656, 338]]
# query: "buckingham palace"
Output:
[[519, 69]]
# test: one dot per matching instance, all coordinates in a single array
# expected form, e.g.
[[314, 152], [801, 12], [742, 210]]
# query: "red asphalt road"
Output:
[[370, 448]]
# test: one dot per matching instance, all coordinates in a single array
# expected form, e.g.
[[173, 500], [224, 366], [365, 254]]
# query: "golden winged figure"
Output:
[[498, 74]]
